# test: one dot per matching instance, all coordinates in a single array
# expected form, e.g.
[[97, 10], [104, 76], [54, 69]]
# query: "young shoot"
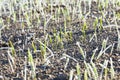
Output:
[[50, 39], [93, 55], [32, 64], [87, 68], [81, 50], [70, 35], [27, 19], [65, 26], [1, 26], [43, 51], [71, 74], [104, 69], [85, 75], [95, 25], [106, 3], [101, 24], [104, 43], [34, 47], [118, 33], [78, 71], [12, 48], [112, 69], [11, 61], [94, 69], [59, 41], [84, 28]]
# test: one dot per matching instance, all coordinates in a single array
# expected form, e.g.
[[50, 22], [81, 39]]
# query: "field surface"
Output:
[[59, 40]]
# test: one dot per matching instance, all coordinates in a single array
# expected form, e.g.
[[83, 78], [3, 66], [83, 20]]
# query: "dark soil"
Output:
[[56, 70]]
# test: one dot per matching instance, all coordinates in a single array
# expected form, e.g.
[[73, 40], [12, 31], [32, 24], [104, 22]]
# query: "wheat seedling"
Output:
[[32, 64], [81, 50], [112, 69], [104, 69], [85, 75], [11, 61], [12, 48], [78, 71], [71, 74]]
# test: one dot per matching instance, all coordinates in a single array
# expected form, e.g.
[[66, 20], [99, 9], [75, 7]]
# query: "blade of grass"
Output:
[[11, 61], [71, 74], [93, 55], [112, 69], [31, 61], [81, 50], [94, 69], [92, 72], [88, 70], [12, 48], [78, 71], [25, 70], [104, 67], [85, 75]]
